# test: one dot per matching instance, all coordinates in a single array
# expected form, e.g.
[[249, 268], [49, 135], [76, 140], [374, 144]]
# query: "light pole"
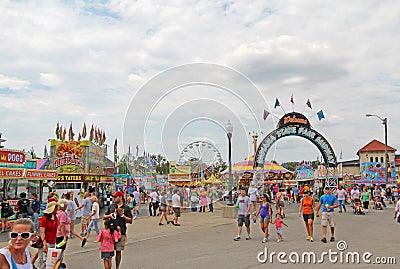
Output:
[[229, 130], [384, 122]]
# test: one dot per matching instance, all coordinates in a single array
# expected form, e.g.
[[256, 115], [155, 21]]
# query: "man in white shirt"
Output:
[[253, 194], [95, 217], [154, 202], [341, 196], [176, 206], [355, 195]]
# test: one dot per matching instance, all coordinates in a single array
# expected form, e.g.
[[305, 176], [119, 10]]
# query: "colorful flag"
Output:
[[57, 130], [308, 103], [366, 153], [341, 154], [91, 135], [291, 99], [84, 130], [320, 115], [266, 114], [137, 150], [63, 135], [129, 149], [277, 103], [71, 133], [79, 137]]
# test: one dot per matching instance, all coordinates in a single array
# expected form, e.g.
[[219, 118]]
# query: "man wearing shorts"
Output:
[[328, 203], [253, 194], [87, 211], [120, 214], [243, 205], [176, 206]]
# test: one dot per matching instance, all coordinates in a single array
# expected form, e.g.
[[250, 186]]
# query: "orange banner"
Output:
[[11, 173]]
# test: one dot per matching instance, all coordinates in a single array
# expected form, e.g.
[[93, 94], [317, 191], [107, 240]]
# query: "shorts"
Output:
[[279, 230], [242, 219], [163, 208], [254, 203], [59, 239], [177, 211], [107, 255], [85, 220], [306, 217], [281, 203], [264, 219], [120, 245], [328, 218]]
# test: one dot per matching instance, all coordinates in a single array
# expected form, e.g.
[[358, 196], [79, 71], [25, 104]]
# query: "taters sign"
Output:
[[69, 178], [15, 157]]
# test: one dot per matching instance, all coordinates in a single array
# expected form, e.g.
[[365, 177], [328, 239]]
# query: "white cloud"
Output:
[[13, 83], [83, 61]]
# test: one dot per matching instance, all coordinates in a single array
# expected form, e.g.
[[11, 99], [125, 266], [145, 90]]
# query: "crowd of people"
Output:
[[56, 227], [359, 198]]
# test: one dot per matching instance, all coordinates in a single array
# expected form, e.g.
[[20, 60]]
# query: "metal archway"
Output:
[[296, 124]]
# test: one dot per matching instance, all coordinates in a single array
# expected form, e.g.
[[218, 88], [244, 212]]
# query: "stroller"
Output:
[[358, 208], [378, 204]]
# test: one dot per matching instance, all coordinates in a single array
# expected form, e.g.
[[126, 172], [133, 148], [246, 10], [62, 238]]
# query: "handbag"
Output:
[[37, 242]]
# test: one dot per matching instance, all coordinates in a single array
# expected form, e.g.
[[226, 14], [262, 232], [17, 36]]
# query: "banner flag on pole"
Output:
[[308, 103], [277, 103], [320, 115], [266, 114], [291, 99]]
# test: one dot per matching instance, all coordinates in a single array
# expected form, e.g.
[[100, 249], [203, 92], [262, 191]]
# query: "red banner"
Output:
[[40, 174], [16, 157], [11, 173]]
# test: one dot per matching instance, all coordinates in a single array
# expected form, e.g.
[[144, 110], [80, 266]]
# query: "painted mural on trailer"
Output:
[[374, 172]]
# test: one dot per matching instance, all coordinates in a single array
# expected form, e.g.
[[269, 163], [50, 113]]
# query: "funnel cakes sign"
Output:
[[68, 157]]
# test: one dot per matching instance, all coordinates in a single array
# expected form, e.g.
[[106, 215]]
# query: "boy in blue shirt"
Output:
[[328, 203]]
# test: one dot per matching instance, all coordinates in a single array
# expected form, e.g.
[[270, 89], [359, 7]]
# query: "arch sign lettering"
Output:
[[296, 124]]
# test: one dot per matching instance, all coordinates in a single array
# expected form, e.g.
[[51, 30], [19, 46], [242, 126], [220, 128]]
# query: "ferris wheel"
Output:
[[200, 155]]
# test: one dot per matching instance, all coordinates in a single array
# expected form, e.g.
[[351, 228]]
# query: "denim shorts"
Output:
[[107, 255], [264, 219]]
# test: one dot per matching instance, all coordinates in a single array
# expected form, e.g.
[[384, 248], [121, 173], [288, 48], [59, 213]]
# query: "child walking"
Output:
[[107, 238], [278, 225]]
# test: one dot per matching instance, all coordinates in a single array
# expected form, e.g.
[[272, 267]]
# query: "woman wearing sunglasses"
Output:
[[16, 255]]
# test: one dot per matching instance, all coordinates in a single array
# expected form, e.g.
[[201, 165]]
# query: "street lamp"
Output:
[[384, 122], [229, 130]]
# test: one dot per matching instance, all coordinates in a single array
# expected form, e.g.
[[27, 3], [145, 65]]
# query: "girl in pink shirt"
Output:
[[107, 238]]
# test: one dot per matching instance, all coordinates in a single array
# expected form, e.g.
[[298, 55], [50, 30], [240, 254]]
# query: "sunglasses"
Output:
[[24, 235]]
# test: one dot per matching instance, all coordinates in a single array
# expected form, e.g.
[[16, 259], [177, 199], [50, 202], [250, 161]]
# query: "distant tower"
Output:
[[2, 141]]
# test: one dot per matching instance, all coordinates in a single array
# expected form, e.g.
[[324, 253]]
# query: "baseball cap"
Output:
[[118, 193], [51, 199], [306, 191], [327, 188]]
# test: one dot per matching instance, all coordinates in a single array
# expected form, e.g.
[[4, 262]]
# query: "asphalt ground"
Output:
[[205, 240]]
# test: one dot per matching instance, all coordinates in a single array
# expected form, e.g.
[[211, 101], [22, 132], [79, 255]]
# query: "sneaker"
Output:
[[83, 234], [265, 240], [277, 241], [176, 224], [135, 217], [248, 237], [308, 238], [83, 242], [237, 238], [323, 240], [332, 239], [170, 221], [71, 236], [311, 239], [160, 224]]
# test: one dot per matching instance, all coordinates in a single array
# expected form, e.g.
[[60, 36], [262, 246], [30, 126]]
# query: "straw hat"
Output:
[[50, 207]]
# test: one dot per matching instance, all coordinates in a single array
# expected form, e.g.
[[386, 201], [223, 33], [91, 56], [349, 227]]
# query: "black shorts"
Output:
[[59, 240], [306, 217], [177, 211], [242, 219]]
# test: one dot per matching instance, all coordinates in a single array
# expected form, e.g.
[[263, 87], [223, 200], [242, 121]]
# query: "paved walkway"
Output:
[[205, 240]]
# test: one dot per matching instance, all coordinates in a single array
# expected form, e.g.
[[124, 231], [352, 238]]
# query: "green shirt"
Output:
[[365, 196]]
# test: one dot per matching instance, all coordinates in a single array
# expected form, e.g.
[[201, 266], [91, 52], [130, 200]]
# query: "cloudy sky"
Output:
[[162, 76]]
